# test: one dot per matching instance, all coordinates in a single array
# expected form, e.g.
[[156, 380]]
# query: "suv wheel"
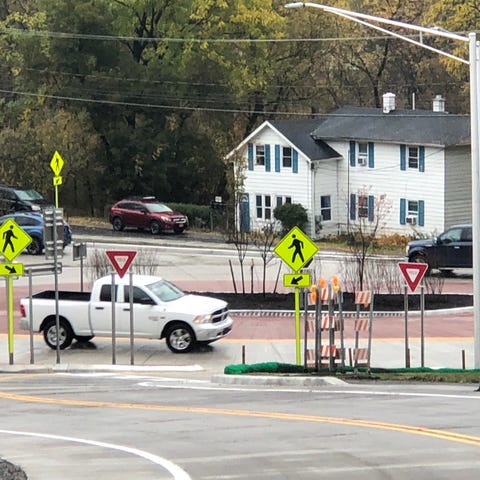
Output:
[[118, 225], [155, 228], [35, 247]]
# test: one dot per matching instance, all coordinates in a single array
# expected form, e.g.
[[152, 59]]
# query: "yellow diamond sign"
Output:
[[296, 249], [13, 240], [56, 164]]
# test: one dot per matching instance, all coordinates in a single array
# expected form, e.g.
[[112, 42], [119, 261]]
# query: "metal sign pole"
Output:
[[55, 273], [422, 334], [407, 355], [30, 316], [297, 327], [114, 360], [130, 294], [10, 318]]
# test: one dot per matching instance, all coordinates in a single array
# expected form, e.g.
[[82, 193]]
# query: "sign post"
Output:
[[13, 241], [121, 261], [297, 251], [56, 164], [413, 274]]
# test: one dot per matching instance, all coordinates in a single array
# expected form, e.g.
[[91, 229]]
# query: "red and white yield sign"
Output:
[[413, 273], [121, 260]]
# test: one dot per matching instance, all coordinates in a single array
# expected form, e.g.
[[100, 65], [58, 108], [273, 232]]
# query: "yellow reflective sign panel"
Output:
[[13, 240], [296, 280], [296, 249], [57, 181], [56, 164], [11, 269]]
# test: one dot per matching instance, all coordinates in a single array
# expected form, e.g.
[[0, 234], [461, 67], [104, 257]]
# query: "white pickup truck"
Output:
[[160, 310]]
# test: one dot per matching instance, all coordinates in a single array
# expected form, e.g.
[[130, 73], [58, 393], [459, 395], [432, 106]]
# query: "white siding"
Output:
[[298, 186], [386, 178]]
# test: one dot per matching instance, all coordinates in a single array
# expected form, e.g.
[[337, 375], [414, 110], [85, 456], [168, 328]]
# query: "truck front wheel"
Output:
[[65, 337], [180, 338], [418, 258]]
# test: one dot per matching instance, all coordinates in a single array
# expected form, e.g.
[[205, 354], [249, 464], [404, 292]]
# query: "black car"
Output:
[[17, 199], [450, 250]]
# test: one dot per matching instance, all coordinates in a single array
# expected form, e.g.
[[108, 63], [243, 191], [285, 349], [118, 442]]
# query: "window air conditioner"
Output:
[[362, 161], [412, 220]]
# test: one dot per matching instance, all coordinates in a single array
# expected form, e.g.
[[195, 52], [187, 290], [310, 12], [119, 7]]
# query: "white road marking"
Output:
[[175, 470]]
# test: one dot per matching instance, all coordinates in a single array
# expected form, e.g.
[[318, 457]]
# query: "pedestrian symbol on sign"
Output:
[[7, 236], [297, 245]]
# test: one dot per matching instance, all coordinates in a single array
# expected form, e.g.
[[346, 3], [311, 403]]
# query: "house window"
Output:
[[413, 157], [264, 207], [325, 208], [282, 200], [362, 154], [287, 157], [362, 206], [260, 155]]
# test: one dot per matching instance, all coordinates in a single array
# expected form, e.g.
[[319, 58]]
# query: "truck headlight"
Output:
[[202, 319]]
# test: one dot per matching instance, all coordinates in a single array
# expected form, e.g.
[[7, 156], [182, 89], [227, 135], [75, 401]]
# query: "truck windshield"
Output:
[[165, 291]]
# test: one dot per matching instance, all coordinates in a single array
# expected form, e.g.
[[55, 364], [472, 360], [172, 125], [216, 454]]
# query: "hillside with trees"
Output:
[[147, 96]]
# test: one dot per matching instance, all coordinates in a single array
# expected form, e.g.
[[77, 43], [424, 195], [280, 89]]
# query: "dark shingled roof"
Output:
[[299, 133], [420, 127]]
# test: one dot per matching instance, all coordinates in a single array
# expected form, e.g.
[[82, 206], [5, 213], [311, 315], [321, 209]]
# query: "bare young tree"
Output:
[[264, 241], [368, 221]]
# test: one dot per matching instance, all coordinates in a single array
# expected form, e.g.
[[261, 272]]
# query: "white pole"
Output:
[[474, 130]]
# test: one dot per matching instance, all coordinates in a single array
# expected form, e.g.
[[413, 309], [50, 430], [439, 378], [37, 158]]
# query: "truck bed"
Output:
[[63, 295]]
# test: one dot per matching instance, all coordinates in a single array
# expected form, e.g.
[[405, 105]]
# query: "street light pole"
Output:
[[473, 62]]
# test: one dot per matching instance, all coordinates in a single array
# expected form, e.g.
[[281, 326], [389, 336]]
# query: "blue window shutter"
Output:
[[403, 157], [277, 158], [421, 159], [250, 156], [352, 206], [267, 158], [294, 161], [352, 153], [371, 156], [371, 208], [403, 206], [421, 213]]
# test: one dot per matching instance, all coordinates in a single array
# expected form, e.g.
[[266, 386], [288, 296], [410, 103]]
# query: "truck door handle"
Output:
[[126, 309], [99, 308]]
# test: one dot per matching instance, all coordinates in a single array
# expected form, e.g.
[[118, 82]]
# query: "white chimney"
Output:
[[438, 104], [388, 102]]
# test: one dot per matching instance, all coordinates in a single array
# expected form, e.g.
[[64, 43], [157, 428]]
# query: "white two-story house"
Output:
[[339, 166]]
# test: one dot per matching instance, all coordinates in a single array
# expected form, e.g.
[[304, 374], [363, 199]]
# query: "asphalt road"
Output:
[[118, 426]]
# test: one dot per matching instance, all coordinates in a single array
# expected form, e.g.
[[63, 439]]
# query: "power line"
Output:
[[85, 36]]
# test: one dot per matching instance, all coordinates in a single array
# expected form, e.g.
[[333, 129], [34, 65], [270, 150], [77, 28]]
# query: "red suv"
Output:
[[146, 213]]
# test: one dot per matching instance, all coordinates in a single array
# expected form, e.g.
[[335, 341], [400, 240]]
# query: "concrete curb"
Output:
[[276, 380], [77, 368]]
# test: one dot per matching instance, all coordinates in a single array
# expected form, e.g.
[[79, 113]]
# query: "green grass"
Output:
[[443, 375]]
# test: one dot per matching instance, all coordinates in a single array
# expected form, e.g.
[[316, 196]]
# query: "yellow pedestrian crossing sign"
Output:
[[57, 181], [13, 240], [296, 249], [56, 163]]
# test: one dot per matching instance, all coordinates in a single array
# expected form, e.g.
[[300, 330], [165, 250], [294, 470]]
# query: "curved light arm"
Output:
[[356, 16]]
